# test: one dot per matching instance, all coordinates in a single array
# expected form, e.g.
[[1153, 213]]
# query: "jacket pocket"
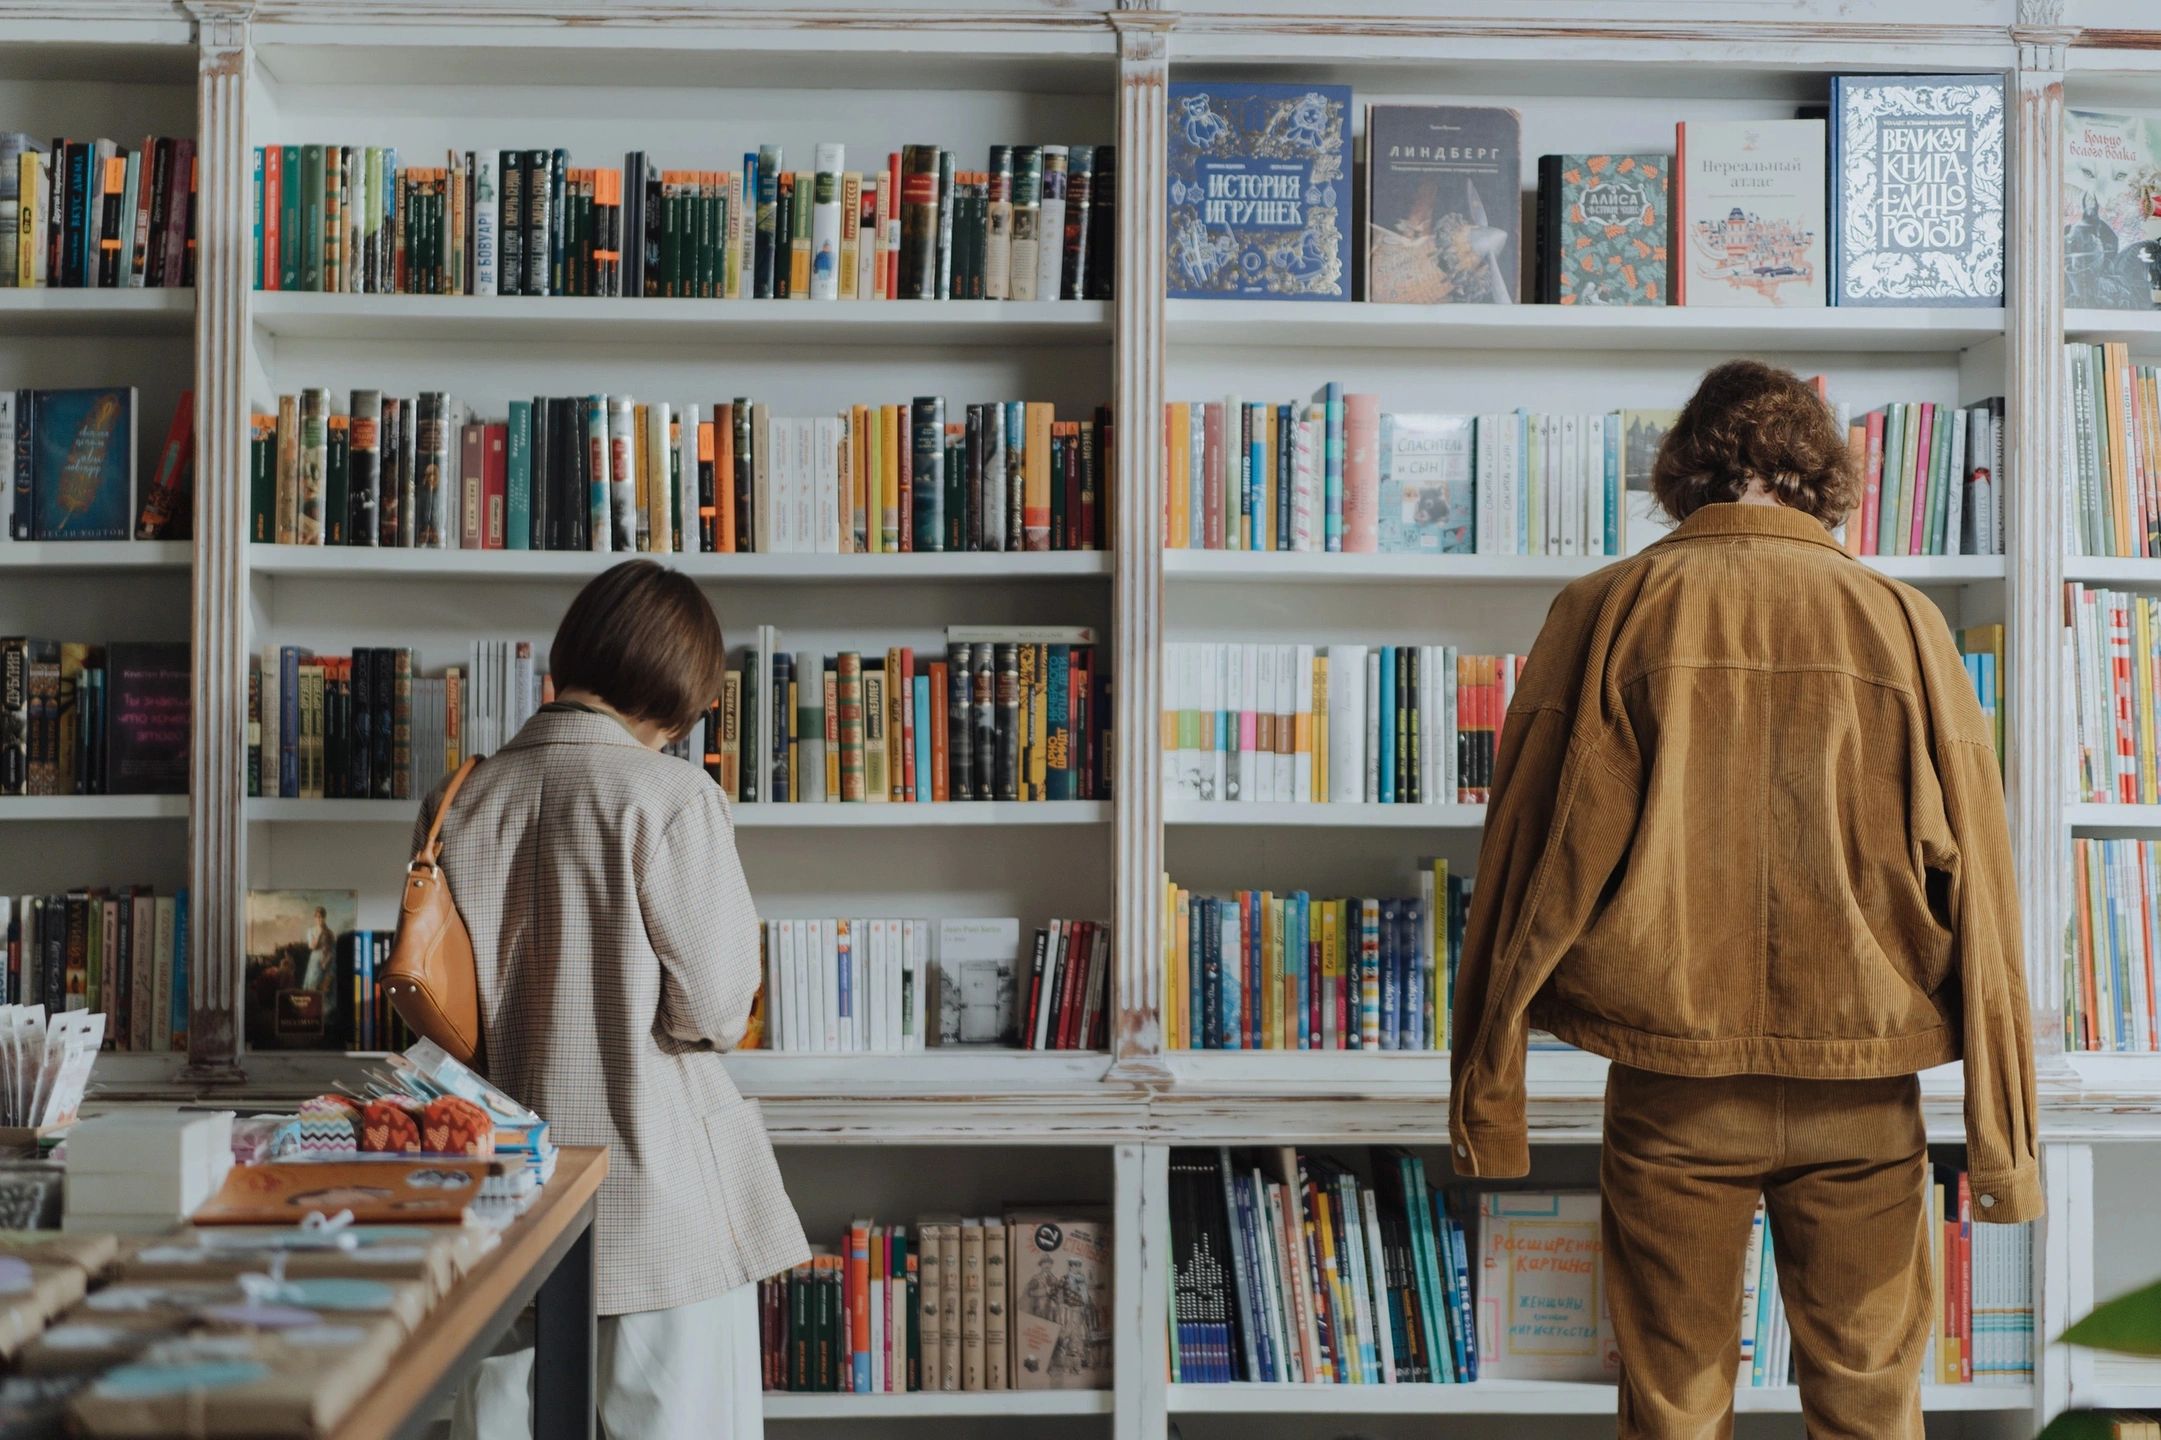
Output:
[[752, 1202]]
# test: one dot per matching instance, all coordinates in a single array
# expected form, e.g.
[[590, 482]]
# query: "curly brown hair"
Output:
[[1749, 420]]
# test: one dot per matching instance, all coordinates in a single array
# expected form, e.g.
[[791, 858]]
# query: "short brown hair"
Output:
[[1749, 420], [644, 639]]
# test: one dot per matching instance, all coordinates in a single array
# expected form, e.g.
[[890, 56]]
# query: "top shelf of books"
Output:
[[1355, 325]]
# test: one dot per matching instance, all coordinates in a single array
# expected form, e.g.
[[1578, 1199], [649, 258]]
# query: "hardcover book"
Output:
[[1604, 228], [1425, 489], [1749, 223], [2112, 210], [146, 727], [1442, 204], [1917, 205], [292, 969], [82, 464], [1260, 191]]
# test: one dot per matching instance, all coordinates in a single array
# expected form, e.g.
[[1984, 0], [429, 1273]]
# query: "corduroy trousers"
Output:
[[1843, 1171]]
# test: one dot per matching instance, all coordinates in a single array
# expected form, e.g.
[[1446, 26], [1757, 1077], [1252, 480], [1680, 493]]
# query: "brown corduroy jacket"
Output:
[[1748, 819]]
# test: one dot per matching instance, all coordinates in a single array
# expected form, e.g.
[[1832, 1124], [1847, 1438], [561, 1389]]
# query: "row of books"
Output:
[[1007, 714], [84, 719], [1290, 1266], [1894, 195], [1255, 970], [2111, 636], [2116, 913], [312, 975], [1931, 481], [1339, 474], [93, 214], [1341, 724], [2115, 451], [1038, 223], [1018, 1301], [614, 473], [68, 460], [123, 952], [366, 726]]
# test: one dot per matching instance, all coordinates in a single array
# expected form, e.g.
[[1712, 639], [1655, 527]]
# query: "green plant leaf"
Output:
[[2129, 1324], [2080, 1425]]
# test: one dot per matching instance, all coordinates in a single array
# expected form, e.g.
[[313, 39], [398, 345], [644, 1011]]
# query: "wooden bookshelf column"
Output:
[[2033, 634], [217, 781], [1137, 605]]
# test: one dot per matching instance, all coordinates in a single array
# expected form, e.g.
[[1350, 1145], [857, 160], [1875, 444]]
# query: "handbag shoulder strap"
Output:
[[433, 844]]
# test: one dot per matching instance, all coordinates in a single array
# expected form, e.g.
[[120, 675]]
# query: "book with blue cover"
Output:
[[81, 464], [1917, 190], [1260, 191]]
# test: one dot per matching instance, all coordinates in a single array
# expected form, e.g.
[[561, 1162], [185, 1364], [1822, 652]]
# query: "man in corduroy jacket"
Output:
[[1747, 841]]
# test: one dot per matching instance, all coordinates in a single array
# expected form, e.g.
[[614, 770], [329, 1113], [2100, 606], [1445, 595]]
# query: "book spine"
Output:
[[918, 264]]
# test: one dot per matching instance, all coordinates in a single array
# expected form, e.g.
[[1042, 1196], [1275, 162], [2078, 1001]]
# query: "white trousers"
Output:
[[690, 1373]]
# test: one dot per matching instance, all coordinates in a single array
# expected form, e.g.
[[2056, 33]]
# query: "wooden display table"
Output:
[[545, 1259]]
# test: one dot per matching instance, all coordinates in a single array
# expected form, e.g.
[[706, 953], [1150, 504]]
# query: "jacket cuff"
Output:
[[2007, 1197], [1490, 1152]]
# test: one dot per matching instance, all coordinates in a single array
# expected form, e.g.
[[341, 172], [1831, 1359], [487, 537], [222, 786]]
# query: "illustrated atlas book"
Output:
[[1443, 211], [1259, 191], [1917, 198], [1750, 222]]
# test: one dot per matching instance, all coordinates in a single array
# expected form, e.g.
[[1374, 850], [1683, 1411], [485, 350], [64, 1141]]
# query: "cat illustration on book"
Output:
[[1431, 257]]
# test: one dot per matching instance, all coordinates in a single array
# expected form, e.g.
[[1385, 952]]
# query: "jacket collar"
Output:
[[1752, 521], [569, 727]]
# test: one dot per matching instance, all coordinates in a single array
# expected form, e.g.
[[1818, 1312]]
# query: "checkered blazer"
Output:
[[618, 956]]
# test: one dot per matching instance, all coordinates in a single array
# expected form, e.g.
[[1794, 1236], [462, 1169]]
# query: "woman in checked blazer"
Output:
[[618, 957]]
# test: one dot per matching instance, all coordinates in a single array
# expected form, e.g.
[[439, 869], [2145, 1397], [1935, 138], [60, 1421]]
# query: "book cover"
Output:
[[1605, 224], [1426, 484], [976, 981], [1917, 205], [1443, 211], [82, 464], [1642, 432], [1542, 1305], [1750, 224], [292, 967], [1259, 191], [1059, 1268], [2112, 210], [146, 727]]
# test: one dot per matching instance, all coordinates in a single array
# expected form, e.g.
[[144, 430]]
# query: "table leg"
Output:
[[565, 1347]]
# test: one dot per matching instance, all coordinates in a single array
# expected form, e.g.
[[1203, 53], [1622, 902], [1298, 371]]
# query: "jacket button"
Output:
[[1988, 1202], [1462, 1150]]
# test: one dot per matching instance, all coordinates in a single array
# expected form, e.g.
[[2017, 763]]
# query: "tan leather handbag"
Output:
[[432, 978]]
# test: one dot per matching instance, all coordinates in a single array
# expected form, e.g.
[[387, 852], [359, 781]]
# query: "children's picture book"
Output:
[[1749, 227], [1443, 208], [1604, 230], [82, 464], [1542, 1307], [1260, 191], [147, 714], [1917, 197], [1425, 488], [1059, 1268], [294, 999], [2112, 210]]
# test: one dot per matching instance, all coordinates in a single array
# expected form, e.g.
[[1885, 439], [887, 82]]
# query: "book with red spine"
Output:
[[856, 1282]]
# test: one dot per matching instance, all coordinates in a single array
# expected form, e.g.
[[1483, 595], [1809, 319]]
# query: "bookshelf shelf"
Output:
[[1299, 326], [168, 311], [747, 817], [2141, 328], [93, 807], [566, 320], [2112, 570], [1283, 567], [367, 562], [2089, 819], [778, 1074], [1524, 1397], [926, 1404], [1359, 817], [81, 557]]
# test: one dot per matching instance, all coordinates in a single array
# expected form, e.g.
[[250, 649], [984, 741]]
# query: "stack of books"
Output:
[[1339, 724], [2115, 446], [1932, 480], [1019, 1301], [2116, 912], [2111, 636], [1038, 223], [95, 215]]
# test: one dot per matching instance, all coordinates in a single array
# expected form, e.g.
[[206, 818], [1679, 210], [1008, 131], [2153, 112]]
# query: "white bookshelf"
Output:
[[696, 84]]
